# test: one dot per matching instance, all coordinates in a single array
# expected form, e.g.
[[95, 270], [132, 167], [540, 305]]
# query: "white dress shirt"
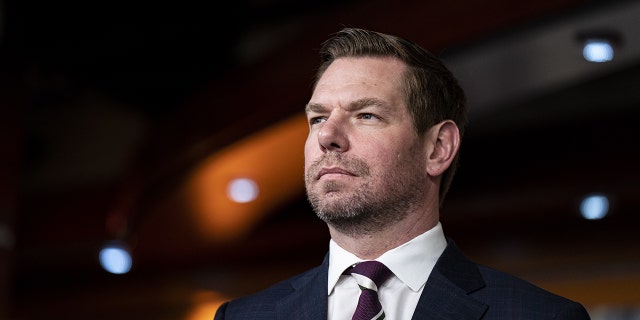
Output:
[[411, 264]]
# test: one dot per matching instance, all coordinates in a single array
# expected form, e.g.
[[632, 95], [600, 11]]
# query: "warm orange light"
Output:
[[273, 158], [206, 304]]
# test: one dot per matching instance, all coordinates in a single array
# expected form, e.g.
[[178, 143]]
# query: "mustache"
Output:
[[355, 166]]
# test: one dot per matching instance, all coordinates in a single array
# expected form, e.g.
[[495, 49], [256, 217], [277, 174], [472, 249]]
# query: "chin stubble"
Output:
[[369, 208]]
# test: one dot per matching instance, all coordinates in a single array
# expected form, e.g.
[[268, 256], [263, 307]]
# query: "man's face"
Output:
[[364, 163]]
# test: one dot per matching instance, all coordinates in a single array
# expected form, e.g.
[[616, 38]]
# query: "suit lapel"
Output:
[[309, 297], [446, 293]]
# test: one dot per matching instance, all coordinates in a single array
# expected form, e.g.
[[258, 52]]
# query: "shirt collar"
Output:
[[411, 262]]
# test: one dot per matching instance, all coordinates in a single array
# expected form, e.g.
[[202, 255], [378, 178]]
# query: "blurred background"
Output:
[[152, 152]]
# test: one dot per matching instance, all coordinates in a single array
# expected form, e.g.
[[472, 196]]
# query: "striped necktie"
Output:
[[370, 275]]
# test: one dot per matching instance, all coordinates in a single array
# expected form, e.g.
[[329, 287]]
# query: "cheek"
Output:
[[309, 154], [408, 155]]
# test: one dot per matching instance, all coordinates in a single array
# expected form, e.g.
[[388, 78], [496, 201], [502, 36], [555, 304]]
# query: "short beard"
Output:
[[369, 208]]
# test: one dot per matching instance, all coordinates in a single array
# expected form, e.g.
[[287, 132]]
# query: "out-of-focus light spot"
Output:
[[279, 177], [242, 190], [115, 258], [598, 51], [594, 207]]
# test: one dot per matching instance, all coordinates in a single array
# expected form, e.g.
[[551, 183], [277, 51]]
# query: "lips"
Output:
[[335, 170]]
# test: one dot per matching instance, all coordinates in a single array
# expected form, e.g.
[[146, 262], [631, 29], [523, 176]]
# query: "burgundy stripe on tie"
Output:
[[370, 275]]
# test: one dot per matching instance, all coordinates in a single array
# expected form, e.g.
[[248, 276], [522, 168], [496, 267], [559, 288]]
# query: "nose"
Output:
[[332, 136]]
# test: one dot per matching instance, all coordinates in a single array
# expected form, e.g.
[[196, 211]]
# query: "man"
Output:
[[386, 119]]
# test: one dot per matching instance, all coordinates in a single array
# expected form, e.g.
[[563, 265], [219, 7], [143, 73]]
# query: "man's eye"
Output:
[[316, 120], [368, 116]]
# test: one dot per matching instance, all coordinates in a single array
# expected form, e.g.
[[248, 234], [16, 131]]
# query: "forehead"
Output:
[[351, 78]]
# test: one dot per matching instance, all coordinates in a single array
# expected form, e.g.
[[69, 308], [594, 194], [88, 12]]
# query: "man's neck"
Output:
[[371, 246]]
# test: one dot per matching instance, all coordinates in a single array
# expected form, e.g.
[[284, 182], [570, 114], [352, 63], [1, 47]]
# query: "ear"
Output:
[[443, 141]]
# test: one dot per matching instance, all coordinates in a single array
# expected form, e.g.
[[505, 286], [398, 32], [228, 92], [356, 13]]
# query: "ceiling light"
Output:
[[598, 50], [115, 258], [599, 46], [242, 190], [594, 207]]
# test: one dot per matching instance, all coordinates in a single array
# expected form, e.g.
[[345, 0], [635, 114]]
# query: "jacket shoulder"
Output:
[[262, 304], [505, 296], [510, 294]]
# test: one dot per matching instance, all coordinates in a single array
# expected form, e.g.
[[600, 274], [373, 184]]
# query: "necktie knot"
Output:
[[373, 270], [369, 275]]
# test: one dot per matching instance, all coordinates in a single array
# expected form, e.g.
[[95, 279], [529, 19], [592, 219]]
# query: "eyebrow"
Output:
[[314, 107], [353, 106]]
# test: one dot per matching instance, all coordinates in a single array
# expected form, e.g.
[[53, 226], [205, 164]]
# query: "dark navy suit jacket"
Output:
[[457, 289]]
